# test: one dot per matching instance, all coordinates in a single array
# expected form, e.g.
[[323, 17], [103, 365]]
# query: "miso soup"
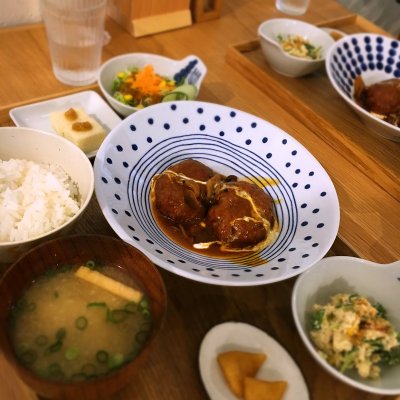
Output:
[[65, 328]]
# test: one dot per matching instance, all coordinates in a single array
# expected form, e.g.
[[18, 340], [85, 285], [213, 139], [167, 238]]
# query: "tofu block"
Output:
[[61, 119], [78, 127], [89, 140]]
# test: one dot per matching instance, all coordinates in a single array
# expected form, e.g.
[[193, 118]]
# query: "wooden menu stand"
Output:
[[145, 17]]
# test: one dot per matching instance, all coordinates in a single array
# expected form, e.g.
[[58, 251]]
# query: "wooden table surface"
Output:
[[364, 168]]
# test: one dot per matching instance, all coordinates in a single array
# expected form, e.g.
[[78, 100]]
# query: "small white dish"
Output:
[[37, 115], [284, 63], [228, 336]]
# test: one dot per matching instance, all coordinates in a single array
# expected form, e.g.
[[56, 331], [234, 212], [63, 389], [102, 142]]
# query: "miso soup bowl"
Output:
[[75, 250]]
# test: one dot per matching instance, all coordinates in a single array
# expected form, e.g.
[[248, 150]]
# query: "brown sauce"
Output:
[[244, 258], [214, 215], [178, 236]]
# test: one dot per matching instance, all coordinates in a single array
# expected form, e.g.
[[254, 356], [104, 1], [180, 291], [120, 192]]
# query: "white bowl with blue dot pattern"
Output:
[[375, 58], [231, 142]]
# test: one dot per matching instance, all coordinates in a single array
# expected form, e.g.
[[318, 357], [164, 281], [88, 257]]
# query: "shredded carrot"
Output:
[[147, 81]]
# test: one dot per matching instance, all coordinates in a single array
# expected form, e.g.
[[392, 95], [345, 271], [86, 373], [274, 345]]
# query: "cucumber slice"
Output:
[[182, 92]]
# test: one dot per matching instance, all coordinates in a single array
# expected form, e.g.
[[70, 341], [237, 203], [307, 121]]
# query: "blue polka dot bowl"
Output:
[[333, 275], [375, 58], [231, 142]]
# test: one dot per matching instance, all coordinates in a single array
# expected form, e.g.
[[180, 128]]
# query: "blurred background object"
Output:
[[75, 33], [385, 13], [145, 17], [19, 12], [204, 10], [292, 7]]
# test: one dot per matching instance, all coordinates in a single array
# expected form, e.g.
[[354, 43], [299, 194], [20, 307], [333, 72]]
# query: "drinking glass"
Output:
[[292, 7], [75, 32]]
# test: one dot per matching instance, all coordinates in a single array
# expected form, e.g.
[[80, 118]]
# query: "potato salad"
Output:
[[299, 46], [350, 332]]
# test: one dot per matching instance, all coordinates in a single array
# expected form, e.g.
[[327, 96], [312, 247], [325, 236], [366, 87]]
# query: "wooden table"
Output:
[[364, 168]]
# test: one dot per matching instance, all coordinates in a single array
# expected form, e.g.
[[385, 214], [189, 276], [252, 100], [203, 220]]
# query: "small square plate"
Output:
[[37, 115]]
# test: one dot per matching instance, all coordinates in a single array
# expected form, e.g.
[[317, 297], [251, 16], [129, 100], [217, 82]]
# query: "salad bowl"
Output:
[[190, 71]]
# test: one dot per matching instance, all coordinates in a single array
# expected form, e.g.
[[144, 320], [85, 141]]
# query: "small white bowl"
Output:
[[375, 58], [191, 67], [332, 275], [39, 146], [281, 61]]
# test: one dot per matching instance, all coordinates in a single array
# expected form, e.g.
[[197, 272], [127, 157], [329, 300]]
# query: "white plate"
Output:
[[37, 115], [243, 337]]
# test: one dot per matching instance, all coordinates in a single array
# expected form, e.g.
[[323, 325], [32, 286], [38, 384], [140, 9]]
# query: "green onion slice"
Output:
[[55, 347], [60, 334], [102, 356], [81, 323], [71, 353], [146, 313], [90, 264], [144, 303], [28, 357], [96, 304], [116, 360]]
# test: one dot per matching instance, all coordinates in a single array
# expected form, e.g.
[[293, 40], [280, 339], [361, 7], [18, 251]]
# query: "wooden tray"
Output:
[[313, 100]]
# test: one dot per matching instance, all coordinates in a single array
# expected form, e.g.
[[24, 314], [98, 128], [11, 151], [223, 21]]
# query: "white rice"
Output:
[[34, 199]]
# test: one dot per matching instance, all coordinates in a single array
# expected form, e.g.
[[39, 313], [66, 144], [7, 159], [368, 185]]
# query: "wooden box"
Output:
[[204, 10], [145, 17]]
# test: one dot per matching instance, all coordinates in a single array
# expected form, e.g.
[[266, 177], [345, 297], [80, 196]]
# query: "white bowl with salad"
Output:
[[293, 48], [131, 82], [347, 312]]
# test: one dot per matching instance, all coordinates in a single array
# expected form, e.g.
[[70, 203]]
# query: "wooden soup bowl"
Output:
[[74, 250]]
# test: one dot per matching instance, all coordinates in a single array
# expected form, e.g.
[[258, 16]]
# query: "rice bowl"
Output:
[[34, 199], [65, 183]]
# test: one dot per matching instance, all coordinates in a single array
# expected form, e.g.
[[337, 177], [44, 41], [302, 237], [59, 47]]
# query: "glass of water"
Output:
[[75, 32], [292, 7]]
